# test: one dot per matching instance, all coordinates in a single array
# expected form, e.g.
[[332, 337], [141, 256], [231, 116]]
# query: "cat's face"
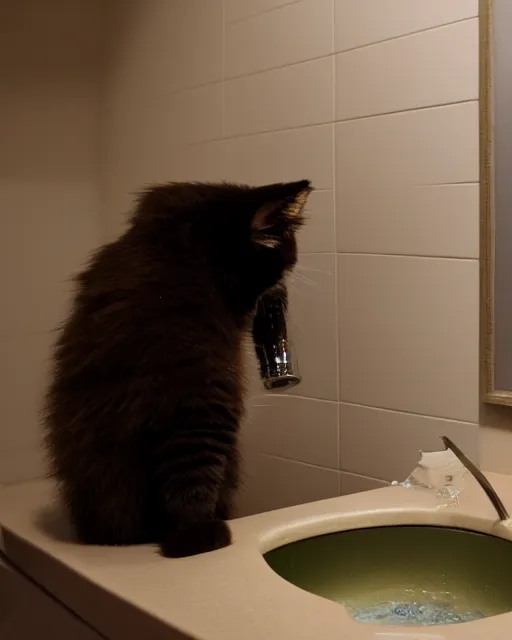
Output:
[[243, 237]]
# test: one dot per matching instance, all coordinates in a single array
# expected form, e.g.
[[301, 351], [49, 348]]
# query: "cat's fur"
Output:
[[147, 393]]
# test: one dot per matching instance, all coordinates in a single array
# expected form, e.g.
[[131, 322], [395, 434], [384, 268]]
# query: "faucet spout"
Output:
[[479, 477], [276, 358]]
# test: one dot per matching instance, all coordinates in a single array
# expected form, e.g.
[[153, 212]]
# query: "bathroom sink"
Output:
[[403, 575]]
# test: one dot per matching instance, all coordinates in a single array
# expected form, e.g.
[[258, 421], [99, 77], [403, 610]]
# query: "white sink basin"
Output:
[[403, 575]]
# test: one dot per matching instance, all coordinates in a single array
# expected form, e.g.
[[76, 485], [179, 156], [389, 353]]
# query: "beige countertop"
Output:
[[230, 594]]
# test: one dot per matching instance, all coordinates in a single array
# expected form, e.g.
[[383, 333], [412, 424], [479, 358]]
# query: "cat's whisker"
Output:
[[299, 278], [298, 291], [306, 280], [302, 267], [300, 273]]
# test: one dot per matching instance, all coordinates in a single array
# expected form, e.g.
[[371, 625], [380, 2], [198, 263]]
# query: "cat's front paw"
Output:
[[194, 538]]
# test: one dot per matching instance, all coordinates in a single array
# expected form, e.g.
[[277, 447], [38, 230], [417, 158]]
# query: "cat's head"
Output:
[[244, 236]]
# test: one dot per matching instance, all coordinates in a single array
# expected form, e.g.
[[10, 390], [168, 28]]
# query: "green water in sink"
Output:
[[463, 574]]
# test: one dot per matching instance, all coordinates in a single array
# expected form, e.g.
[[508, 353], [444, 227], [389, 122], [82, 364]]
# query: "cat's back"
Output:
[[142, 316]]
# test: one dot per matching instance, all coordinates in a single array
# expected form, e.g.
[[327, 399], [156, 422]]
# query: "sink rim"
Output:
[[312, 527]]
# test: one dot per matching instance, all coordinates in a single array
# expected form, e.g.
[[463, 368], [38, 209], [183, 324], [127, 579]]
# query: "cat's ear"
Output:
[[281, 210]]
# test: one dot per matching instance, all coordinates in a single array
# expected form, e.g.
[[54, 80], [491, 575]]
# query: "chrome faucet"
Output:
[[479, 477], [276, 358]]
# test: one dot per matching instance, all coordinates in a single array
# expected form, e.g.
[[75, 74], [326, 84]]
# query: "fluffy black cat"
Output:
[[147, 393]]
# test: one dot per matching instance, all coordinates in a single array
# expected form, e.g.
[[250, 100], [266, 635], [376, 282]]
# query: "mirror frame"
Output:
[[490, 393]]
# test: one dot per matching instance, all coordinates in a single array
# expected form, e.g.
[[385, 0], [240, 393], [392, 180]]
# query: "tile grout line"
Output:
[[340, 53], [264, 12], [223, 88], [291, 395], [275, 456], [363, 475], [406, 35], [303, 462], [241, 136], [368, 406], [408, 255], [389, 255], [409, 413], [202, 85], [286, 65], [335, 224], [439, 105], [333, 123]]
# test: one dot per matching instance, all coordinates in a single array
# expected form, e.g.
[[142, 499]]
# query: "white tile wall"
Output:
[[20, 465], [356, 483], [293, 33], [408, 334], [281, 156], [496, 443], [375, 101], [24, 364], [362, 23], [312, 324], [437, 220], [48, 229], [49, 200], [195, 43], [313, 423], [319, 234], [276, 483], [260, 91], [386, 444], [428, 146], [173, 45], [23, 370], [201, 162], [240, 9], [294, 96], [162, 47], [195, 115], [420, 70]]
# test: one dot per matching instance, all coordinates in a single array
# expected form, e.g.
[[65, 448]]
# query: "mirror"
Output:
[[496, 199]]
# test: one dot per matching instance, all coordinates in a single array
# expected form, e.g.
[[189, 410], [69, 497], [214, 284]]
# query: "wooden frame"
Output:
[[487, 223]]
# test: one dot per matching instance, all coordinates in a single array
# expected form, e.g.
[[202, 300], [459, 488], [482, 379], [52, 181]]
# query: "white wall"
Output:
[[376, 102], [50, 55]]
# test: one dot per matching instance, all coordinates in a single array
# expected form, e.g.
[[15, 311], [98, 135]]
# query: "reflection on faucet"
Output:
[[277, 364]]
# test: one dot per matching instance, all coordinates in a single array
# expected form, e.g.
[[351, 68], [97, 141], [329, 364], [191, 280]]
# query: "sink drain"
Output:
[[412, 614]]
